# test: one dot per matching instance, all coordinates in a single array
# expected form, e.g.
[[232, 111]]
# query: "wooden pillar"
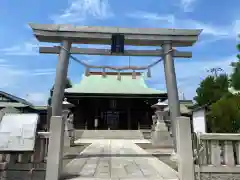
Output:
[[129, 117], [147, 118], [76, 115]]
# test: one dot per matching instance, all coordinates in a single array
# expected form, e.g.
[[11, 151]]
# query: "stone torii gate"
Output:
[[68, 35]]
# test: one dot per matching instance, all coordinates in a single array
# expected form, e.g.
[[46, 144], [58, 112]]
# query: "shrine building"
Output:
[[117, 101]]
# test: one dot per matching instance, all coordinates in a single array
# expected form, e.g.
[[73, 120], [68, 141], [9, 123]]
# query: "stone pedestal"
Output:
[[161, 136]]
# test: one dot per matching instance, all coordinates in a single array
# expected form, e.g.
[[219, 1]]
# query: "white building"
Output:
[[199, 119]]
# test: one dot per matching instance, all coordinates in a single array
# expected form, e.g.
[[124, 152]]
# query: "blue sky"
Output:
[[28, 74]]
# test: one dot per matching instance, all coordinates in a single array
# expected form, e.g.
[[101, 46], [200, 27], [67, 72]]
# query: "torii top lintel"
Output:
[[102, 35]]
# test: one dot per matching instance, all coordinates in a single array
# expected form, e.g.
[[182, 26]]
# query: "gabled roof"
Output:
[[22, 102], [196, 107], [97, 84], [184, 106]]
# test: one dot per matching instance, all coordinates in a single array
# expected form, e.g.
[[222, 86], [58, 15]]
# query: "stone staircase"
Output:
[[112, 134], [146, 133]]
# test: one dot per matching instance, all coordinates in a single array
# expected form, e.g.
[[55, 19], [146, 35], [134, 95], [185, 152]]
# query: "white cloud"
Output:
[[171, 21], [168, 18], [42, 72], [24, 49], [187, 5], [77, 12], [2, 61], [190, 73], [37, 98], [12, 75], [80, 10], [27, 48], [236, 27]]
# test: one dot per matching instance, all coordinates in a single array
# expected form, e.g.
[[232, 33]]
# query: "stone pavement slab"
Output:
[[117, 159], [112, 134], [89, 141]]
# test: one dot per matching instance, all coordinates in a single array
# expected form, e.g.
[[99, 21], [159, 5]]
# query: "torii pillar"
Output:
[[61, 77], [54, 163], [172, 90]]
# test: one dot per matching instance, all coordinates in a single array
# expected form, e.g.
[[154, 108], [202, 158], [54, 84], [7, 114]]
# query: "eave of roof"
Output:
[[40, 107], [20, 100], [183, 109], [12, 104], [196, 107]]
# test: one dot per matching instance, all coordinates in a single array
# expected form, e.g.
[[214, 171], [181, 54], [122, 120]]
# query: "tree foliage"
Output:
[[235, 76], [68, 85], [211, 89], [224, 115], [224, 112]]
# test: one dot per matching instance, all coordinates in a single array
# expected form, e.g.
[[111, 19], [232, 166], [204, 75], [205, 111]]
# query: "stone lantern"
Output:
[[68, 123], [161, 136], [160, 113], [66, 107]]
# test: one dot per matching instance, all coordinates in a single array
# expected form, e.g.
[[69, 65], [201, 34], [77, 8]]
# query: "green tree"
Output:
[[235, 76], [211, 89], [224, 115], [68, 85]]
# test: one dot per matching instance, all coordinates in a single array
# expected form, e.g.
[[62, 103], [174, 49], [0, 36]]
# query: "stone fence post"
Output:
[[184, 149]]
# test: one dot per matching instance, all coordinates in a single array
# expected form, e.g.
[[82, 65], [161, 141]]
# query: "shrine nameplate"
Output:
[[18, 132]]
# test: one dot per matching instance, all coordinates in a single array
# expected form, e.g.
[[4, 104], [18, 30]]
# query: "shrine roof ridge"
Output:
[[102, 35]]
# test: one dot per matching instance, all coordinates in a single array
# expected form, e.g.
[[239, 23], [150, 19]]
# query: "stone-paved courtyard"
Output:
[[117, 159]]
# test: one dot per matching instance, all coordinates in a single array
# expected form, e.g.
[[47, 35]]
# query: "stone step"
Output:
[[112, 134], [146, 133]]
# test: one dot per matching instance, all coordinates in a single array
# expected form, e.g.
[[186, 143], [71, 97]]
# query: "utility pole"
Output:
[[181, 95], [215, 71]]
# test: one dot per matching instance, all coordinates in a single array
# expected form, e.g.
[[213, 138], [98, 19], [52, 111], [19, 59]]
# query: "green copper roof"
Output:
[[12, 104], [97, 84], [183, 109], [40, 107]]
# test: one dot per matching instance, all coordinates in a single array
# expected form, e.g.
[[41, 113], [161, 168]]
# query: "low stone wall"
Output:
[[25, 165], [219, 176], [22, 171], [218, 157]]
